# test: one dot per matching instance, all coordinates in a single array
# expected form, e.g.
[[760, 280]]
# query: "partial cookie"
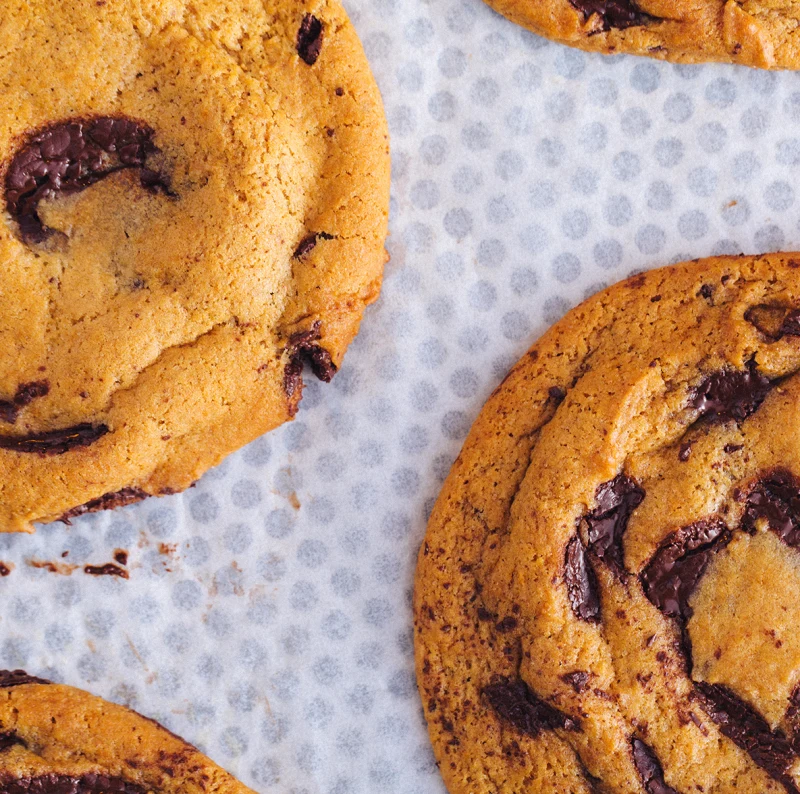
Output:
[[196, 200], [608, 595], [754, 33], [58, 740]]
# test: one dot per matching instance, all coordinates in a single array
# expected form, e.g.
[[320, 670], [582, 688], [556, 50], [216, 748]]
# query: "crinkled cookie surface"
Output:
[[196, 201], [608, 593], [759, 33]]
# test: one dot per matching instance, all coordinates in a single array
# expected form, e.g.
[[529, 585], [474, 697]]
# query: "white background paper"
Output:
[[267, 617]]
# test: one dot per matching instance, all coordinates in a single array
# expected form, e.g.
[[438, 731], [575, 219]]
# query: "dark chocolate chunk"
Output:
[[90, 783], [731, 393], [578, 680], [109, 569], [121, 556], [307, 244], [777, 500], [515, 703], [649, 768], [109, 501], [26, 393], [9, 740], [606, 524], [18, 677], [672, 574], [584, 596], [309, 39], [556, 394], [304, 349], [774, 322], [744, 726], [70, 156], [619, 14], [55, 442]]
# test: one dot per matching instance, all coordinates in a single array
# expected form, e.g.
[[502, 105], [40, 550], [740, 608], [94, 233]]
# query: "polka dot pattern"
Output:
[[267, 615]]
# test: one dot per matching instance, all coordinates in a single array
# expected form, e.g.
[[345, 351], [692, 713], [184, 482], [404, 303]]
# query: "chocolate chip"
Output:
[[685, 451], [706, 291], [775, 499], [672, 574], [309, 39], [649, 768], [746, 728], [507, 624], [728, 449], [304, 349], [9, 678], [731, 393], [70, 156], [515, 703], [307, 244], [606, 524], [109, 501], [91, 783], [584, 596], [121, 556], [774, 322], [26, 393], [109, 569], [619, 14], [9, 740], [556, 394], [55, 442], [579, 680]]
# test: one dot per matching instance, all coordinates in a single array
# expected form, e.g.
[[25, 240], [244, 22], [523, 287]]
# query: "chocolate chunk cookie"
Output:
[[759, 33], [608, 594], [58, 740], [196, 202]]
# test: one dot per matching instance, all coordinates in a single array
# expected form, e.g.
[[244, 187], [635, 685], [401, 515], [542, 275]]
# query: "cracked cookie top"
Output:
[[755, 33], [58, 740], [195, 206], [607, 595]]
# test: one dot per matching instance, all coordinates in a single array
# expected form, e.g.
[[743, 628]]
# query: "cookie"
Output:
[[757, 33], [607, 596], [196, 202], [58, 740]]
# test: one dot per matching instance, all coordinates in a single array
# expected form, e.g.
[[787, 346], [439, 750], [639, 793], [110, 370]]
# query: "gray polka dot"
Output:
[[433, 150], [442, 106], [204, 508], [425, 194], [617, 210], [452, 62], [491, 253], [607, 254], [509, 165], [693, 225], [703, 181], [523, 282], [754, 122], [678, 108], [476, 137], [575, 224], [788, 151], [238, 538], [668, 152], [570, 63], [186, 594], [550, 151], [543, 195], [560, 107], [712, 137], [197, 551], [584, 181], [458, 223], [279, 523], [626, 166], [482, 296], [721, 92], [593, 137], [645, 78], [271, 567], [602, 92], [779, 196], [659, 196], [745, 166], [736, 211], [466, 180], [650, 239], [635, 122], [566, 268], [769, 238], [500, 209], [485, 92]]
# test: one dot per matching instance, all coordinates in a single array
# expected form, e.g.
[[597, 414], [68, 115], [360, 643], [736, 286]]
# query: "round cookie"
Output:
[[196, 202], [607, 596], [58, 740], [759, 33]]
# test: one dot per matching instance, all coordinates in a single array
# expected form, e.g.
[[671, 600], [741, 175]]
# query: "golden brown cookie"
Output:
[[196, 201], [758, 33], [58, 740], [608, 594]]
